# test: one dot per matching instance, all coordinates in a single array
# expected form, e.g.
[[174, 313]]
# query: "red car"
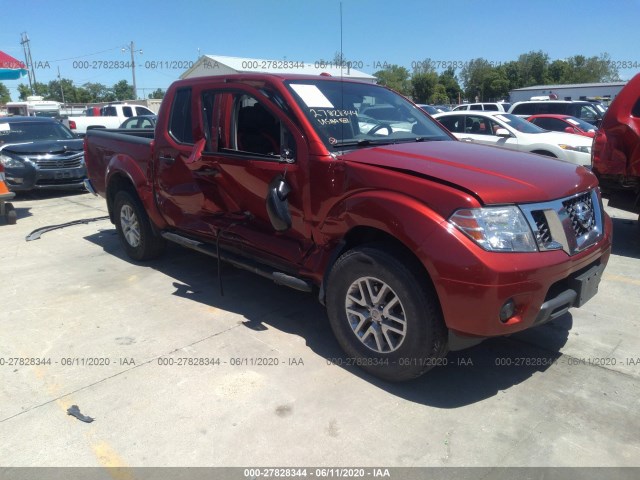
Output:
[[616, 147], [563, 123]]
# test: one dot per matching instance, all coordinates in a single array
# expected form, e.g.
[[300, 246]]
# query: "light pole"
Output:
[[133, 50]]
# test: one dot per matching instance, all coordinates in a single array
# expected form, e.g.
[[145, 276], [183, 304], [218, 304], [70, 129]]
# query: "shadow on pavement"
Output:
[[466, 377], [626, 238], [45, 194]]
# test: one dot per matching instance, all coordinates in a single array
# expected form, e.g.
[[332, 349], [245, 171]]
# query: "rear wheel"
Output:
[[384, 315], [134, 228]]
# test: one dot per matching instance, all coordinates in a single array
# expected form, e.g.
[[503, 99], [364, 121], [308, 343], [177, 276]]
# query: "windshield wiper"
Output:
[[362, 143]]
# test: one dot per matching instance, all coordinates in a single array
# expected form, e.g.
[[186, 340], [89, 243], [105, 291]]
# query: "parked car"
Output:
[[110, 116], [580, 109], [415, 242], [509, 131], [563, 123], [142, 121], [616, 146], [486, 106], [40, 152], [431, 110]]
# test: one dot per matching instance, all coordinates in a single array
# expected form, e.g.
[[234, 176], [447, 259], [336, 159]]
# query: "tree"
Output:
[[57, 89], [448, 79], [439, 95], [5, 96], [40, 89], [157, 93], [474, 76], [422, 86], [97, 92], [395, 77], [123, 91], [532, 68]]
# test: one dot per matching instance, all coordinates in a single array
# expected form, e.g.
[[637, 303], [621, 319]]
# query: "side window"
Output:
[[255, 130], [109, 112], [453, 123], [127, 111], [635, 111], [491, 106], [476, 125], [587, 113], [180, 120], [556, 108], [524, 109], [475, 107], [493, 127], [143, 111]]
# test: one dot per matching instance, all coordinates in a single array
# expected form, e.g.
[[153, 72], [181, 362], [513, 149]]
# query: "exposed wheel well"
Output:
[[359, 236], [118, 183]]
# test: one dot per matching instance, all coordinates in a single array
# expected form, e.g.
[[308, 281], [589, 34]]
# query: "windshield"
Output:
[[359, 114], [519, 124], [20, 132], [586, 126]]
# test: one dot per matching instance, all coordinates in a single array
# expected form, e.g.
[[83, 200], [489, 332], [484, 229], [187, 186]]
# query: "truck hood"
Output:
[[45, 146], [493, 175]]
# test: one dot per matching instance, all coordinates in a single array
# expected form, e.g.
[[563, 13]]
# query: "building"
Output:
[[604, 92], [221, 65]]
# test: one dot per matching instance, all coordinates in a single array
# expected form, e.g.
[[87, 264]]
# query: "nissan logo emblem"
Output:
[[584, 214]]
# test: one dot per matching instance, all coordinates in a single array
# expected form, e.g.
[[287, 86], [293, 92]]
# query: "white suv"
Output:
[[492, 107]]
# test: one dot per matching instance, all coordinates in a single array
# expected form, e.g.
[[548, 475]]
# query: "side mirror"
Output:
[[502, 132], [196, 153], [278, 205], [570, 130], [287, 155]]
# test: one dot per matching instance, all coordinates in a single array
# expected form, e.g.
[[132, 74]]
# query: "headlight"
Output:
[[496, 229], [10, 162], [583, 149]]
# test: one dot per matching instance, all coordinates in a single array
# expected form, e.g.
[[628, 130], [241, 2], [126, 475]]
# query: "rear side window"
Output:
[[524, 109], [475, 107], [636, 109], [490, 106], [127, 112], [180, 121], [453, 123]]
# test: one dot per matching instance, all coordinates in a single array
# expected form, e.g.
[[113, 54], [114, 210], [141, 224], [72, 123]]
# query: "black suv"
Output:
[[581, 109]]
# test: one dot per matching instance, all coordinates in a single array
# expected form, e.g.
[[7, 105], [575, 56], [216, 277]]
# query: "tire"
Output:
[[134, 228], [394, 350], [12, 215]]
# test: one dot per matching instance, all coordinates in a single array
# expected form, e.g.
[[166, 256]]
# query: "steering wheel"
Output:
[[380, 126]]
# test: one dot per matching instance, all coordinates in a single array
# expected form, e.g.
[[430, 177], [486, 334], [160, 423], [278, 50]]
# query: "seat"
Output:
[[258, 131]]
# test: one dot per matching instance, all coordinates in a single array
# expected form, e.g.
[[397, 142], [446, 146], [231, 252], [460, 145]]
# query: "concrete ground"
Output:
[[177, 375]]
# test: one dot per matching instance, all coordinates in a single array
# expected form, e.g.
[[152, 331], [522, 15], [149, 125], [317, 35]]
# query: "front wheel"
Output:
[[384, 315], [134, 228]]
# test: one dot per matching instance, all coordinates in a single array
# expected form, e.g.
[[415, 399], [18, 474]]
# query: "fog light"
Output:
[[507, 311]]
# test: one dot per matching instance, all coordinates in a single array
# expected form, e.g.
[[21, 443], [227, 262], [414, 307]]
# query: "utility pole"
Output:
[[24, 41], [60, 82], [133, 50]]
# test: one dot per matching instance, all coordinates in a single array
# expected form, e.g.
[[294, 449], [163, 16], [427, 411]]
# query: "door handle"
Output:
[[207, 172], [467, 139], [166, 159]]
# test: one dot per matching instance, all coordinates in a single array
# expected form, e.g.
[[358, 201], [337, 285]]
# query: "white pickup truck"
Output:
[[109, 116]]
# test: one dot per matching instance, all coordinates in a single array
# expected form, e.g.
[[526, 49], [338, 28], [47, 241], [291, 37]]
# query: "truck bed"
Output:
[[104, 146]]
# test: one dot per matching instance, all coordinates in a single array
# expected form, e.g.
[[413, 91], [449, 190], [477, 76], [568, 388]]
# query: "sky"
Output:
[[85, 39]]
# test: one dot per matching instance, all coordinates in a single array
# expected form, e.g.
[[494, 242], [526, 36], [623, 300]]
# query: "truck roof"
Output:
[[256, 77]]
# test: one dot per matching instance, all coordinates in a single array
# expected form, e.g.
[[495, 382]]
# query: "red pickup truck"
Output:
[[416, 243]]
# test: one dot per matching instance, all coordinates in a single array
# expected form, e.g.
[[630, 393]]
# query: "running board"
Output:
[[278, 277]]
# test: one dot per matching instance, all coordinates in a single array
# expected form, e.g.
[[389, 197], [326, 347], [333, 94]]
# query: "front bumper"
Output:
[[31, 178], [473, 285]]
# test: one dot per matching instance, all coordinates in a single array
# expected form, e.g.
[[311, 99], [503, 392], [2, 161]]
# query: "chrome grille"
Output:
[[578, 208], [51, 162], [571, 224]]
